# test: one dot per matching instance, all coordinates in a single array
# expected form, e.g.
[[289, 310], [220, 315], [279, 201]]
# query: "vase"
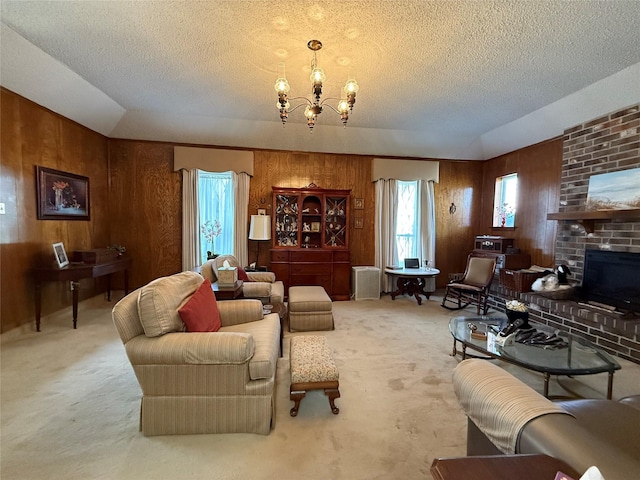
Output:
[[211, 256]]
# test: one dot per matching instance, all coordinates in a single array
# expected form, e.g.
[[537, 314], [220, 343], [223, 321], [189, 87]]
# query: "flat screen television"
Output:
[[612, 278]]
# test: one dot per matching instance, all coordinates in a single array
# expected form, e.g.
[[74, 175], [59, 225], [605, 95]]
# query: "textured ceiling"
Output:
[[436, 77]]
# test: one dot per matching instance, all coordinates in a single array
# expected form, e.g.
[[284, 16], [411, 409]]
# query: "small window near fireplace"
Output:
[[505, 201]]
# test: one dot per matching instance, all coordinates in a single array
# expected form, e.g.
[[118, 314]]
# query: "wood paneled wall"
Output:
[[145, 198], [32, 135], [539, 169], [136, 201], [461, 186]]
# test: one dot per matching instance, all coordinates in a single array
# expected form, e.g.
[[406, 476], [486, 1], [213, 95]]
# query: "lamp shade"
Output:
[[260, 228]]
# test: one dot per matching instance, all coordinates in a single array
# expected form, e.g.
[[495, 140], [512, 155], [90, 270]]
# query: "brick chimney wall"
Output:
[[606, 144]]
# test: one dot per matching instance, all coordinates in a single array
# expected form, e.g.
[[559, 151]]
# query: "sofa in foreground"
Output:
[[505, 416], [204, 381]]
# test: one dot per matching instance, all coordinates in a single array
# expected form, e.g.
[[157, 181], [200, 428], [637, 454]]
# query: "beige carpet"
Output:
[[70, 404]]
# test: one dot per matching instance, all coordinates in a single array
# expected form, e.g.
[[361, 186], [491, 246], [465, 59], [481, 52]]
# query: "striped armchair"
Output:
[[263, 285], [216, 382]]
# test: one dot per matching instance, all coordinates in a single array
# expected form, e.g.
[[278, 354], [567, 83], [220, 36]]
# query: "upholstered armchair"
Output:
[[199, 381], [261, 285]]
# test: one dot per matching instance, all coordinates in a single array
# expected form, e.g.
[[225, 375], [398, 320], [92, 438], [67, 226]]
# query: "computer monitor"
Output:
[[411, 263]]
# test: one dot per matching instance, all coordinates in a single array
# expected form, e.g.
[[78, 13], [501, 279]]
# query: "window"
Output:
[[505, 201], [216, 206], [408, 220]]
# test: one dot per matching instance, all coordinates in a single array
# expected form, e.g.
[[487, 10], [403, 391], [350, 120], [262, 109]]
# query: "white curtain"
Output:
[[386, 252], [427, 217], [190, 222], [241, 183]]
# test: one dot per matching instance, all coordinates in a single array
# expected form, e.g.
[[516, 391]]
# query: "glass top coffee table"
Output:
[[579, 357]]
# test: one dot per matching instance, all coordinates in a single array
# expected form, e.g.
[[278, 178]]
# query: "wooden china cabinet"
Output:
[[311, 238]]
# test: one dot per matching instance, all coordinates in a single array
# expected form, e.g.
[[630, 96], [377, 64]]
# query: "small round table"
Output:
[[413, 281]]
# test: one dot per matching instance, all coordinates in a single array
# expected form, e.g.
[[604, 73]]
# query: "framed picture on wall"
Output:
[[614, 190], [358, 204], [60, 254], [61, 195]]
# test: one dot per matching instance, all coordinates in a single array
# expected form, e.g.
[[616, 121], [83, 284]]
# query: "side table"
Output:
[[227, 292], [413, 281], [281, 309], [500, 467]]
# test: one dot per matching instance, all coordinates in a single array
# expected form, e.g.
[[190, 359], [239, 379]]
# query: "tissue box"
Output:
[[227, 275]]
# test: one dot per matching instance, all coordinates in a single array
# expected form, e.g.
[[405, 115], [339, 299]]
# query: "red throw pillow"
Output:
[[242, 275], [200, 313]]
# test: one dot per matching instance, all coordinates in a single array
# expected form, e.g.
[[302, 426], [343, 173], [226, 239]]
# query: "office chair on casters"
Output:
[[473, 288]]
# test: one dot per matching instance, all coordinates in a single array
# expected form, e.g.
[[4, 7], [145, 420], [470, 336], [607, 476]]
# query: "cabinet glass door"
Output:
[[311, 222], [335, 221], [286, 221]]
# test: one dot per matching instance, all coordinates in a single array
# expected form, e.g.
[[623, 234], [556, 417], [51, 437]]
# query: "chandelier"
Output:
[[314, 107]]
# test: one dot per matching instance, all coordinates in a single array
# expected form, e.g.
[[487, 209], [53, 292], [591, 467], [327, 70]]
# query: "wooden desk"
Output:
[[500, 467], [75, 272]]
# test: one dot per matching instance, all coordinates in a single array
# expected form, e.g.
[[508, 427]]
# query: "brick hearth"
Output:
[[616, 335]]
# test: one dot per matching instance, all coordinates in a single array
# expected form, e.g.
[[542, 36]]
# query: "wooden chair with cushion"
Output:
[[473, 288]]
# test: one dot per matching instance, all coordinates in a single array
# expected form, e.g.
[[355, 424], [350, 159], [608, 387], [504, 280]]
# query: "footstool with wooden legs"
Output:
[[312, 368]]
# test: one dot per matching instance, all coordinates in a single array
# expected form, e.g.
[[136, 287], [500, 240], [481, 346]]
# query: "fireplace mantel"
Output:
[[587, 218]]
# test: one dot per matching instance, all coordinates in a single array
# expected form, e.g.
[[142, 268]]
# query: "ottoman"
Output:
[[309, 309], [312, 368]]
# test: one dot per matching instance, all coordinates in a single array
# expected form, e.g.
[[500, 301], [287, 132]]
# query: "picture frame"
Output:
[[358, 222], [61, 195], [614, 190], [358, 204], [315, 226], [60, 254]]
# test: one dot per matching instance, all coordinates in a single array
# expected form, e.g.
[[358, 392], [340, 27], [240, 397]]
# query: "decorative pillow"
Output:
[[159, 300], [200, 313], [242, 275]]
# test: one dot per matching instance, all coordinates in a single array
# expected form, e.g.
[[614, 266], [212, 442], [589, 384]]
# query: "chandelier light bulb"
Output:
[[351, 86], [343, 106], [318, 76], [282, 85], [308, 113]]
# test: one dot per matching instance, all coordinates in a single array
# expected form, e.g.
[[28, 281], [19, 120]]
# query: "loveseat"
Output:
[[505, 416], [260, 285], [199, 382]]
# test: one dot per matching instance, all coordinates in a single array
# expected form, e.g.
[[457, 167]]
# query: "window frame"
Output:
[[505, 201]]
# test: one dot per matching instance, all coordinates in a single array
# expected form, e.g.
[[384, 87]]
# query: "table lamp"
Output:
[[260, 230]]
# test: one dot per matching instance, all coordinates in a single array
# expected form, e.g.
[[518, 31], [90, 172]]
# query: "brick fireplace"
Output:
[[606, 144]]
